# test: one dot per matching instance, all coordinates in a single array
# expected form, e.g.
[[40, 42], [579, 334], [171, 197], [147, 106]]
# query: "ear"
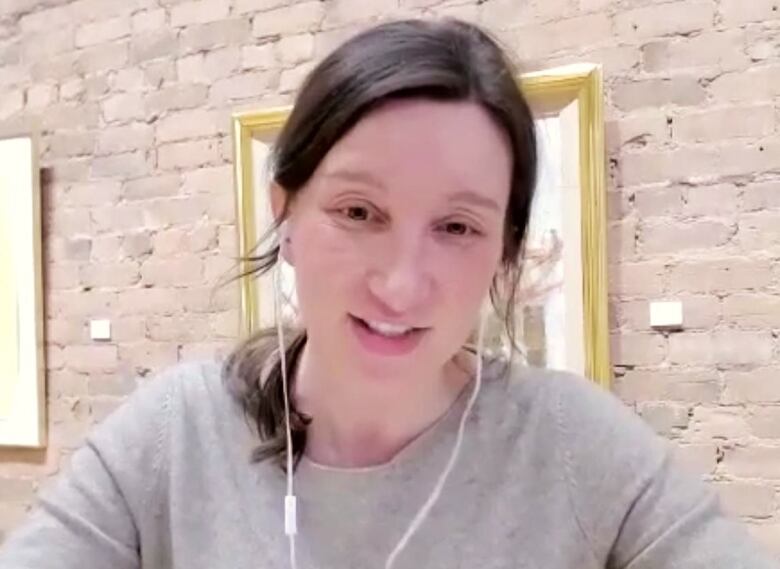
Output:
[[280, 210], [279, 203]]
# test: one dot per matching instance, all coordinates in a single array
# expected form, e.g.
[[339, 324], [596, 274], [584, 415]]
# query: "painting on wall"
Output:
[[561, 317], [22, 385]]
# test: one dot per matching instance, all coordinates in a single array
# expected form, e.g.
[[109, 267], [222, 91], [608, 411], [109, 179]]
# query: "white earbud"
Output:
[[290, 500]]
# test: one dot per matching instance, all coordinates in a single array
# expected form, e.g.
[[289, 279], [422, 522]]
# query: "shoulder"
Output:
[[185, 392], [195, 384], [197, 394], [133, 442], [190, 383], [564, 428], [588, 426], [185, 412], [149, 409], [544, 394]]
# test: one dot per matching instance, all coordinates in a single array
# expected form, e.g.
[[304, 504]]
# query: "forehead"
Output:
[[417, 143]]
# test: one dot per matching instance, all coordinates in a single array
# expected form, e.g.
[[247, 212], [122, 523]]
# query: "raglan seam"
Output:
[[160, 457], [567, 461]]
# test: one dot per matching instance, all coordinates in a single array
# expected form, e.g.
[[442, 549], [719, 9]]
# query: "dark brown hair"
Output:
[[445, 60]]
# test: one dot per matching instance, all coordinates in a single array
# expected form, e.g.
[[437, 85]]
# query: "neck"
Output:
[[357, 423]]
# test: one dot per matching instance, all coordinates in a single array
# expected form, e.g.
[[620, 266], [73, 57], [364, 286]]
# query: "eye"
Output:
[[458, 229], [357, 213]]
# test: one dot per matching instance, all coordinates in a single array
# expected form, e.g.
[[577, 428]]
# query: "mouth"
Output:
[[386, 338]]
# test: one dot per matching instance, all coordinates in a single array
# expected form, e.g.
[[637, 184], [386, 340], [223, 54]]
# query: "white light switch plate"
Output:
[[100, 329], [666, 314]]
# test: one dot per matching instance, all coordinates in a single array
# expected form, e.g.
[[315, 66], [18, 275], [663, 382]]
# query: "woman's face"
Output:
[[396, 238]]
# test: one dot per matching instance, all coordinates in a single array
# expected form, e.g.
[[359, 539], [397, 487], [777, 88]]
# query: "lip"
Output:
[[387, 321], [379, 344]]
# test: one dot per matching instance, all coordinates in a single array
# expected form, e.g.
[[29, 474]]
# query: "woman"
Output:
[[402, 185]]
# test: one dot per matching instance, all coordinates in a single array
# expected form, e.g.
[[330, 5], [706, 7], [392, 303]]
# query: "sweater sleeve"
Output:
[[90, 515], [634, 505]]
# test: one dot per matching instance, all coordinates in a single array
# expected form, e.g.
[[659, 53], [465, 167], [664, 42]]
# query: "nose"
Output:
[[401, 279]]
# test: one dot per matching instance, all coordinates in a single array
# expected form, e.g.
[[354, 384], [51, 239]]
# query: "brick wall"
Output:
[[133, 98]]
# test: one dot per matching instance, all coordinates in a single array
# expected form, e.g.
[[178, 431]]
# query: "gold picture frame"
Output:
[[574, 92], [22, 371]]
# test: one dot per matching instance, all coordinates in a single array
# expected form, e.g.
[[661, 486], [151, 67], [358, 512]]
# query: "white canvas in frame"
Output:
[[550, 321], [22, 385]]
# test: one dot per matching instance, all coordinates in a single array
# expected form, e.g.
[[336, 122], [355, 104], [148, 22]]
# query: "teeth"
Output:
[[388, 329]]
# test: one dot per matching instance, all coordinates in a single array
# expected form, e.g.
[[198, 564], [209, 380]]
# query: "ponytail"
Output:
[[253, 375]]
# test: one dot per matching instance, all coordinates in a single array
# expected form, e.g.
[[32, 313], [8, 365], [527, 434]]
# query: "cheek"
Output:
[[321, 245], [325, 263], [475, 266], [465, 277]]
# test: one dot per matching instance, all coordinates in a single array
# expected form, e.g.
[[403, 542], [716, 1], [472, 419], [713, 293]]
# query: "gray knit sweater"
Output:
[[554, 474]]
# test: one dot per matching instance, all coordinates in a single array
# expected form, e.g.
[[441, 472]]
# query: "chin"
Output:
[[424, 364], [387, 371], [384, 366]]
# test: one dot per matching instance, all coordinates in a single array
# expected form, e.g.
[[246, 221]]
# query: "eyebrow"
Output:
[[364, 177], [357, 176], [474, 198]]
